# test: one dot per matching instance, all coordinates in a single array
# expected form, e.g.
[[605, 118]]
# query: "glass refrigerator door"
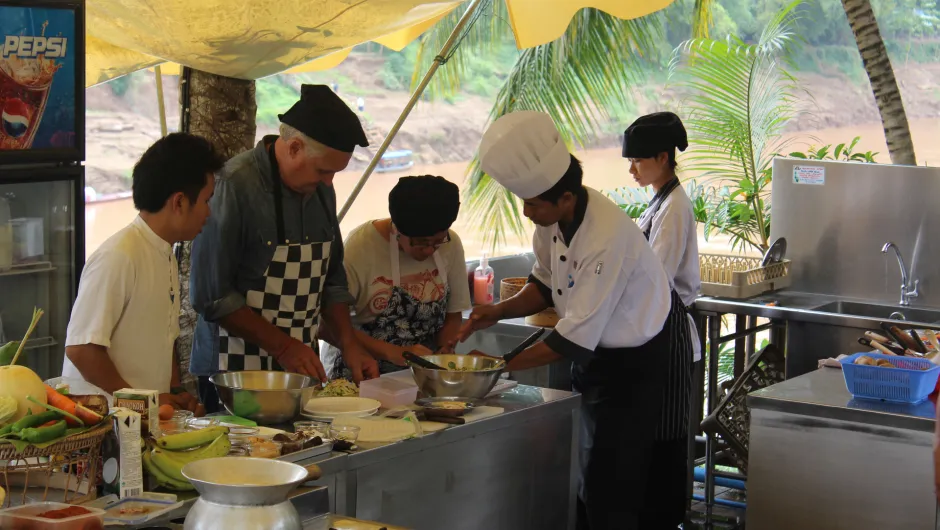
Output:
[[39, 244]]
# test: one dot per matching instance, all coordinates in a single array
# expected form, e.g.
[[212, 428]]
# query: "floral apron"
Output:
[[406, 321]]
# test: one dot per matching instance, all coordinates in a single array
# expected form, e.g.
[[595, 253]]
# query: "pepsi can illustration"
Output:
[[37, 108]]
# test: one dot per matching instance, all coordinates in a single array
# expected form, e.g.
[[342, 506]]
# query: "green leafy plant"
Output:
[[740, 98], [843, 152], [634, 201]]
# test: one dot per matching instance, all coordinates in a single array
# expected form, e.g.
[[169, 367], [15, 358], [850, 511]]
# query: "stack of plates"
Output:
[[330, 408]]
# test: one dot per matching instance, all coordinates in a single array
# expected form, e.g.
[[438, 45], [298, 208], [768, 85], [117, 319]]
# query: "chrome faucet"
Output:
[[906, 295]]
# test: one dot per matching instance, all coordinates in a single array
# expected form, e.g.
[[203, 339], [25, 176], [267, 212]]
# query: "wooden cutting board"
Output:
[[476, 414]]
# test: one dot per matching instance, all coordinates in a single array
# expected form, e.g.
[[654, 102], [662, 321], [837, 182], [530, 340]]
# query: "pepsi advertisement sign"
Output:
[[41, 81]]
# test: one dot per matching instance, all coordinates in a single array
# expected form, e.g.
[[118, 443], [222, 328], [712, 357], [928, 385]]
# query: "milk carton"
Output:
[[122, 472], [144, 402]]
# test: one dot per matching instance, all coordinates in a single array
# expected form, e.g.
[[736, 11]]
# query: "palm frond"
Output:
[[702, 20], [577, 79], [489, 30], [741, 97]]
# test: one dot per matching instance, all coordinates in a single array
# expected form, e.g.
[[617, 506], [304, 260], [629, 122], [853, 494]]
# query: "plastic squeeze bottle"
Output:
[[483, 282]]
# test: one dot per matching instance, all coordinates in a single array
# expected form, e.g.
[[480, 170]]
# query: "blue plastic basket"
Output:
[[908, 383]]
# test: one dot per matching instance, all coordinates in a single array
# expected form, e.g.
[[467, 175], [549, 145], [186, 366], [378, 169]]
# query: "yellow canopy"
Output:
[[251, 39]]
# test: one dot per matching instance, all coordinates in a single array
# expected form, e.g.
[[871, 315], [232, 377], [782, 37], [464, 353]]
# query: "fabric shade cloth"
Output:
[[251, 39]]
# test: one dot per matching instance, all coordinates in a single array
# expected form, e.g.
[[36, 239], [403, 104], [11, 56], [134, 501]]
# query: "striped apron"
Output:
[[634, 408]]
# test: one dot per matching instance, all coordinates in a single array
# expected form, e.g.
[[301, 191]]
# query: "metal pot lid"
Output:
[[776, 252]]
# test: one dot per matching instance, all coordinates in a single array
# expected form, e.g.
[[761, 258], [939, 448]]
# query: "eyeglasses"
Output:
[[423, 243]]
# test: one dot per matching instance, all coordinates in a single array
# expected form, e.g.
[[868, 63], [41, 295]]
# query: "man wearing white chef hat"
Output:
[[621, 324]]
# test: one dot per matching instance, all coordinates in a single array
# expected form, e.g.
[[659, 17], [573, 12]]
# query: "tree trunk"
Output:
[[883, 83], [222, 110]]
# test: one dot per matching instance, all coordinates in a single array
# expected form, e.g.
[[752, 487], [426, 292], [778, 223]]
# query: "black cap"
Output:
[[423, 206], [653, 134], [323, 116]]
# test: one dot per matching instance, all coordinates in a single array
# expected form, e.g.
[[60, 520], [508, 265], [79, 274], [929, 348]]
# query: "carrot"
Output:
[[59, 401]]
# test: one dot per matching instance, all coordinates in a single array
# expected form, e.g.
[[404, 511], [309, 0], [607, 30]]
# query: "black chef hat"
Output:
[[323, 116], [653, 134], [423, 206]]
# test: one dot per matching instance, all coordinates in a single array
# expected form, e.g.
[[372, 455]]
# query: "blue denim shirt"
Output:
[[235, 247]]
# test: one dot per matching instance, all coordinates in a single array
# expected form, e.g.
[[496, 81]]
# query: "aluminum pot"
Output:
[[265, 397], [240, 492]]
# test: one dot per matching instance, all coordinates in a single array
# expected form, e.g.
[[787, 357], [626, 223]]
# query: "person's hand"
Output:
[[482, 317], [301, 359], [481, 354], [397, 355], [359, 362], [183, 401]]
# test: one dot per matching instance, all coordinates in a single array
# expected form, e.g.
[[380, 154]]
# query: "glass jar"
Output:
[[242, 436], [264, 448], [311, 429]]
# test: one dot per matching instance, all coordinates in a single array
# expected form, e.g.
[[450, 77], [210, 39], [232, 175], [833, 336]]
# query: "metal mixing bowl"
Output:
[[479, 377], [265, 397]]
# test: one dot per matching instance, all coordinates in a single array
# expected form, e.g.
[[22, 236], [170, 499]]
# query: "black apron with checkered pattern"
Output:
[[292, 293], [406, 320]]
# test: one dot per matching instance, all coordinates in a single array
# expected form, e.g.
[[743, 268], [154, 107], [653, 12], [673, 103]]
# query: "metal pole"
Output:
[[158, 74], [438, 61]]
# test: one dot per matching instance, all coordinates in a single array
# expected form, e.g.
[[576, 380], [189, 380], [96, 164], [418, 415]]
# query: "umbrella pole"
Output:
[[438, 61], [161, 106]]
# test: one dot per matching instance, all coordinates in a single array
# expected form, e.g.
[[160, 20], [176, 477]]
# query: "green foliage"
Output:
[[844, 152], [577, 80], [273, 97]]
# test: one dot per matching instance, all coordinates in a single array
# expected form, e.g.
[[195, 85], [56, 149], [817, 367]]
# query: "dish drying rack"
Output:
[[740, 276]]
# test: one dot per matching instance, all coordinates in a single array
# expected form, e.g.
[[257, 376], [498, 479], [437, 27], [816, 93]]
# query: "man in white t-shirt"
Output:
[[126, 316], [407, 274]]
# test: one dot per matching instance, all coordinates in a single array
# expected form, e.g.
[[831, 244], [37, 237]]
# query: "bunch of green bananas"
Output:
[[164, 458]]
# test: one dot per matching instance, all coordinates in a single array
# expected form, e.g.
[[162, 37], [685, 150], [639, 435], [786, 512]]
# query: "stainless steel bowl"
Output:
[[470, 376], [268, 398]]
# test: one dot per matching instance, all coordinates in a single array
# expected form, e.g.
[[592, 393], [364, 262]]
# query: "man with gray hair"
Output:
[[269, 262]]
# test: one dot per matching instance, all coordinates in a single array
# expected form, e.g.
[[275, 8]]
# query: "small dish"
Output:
[[201, 423], [312, 428], [348, 433], [448, 406]]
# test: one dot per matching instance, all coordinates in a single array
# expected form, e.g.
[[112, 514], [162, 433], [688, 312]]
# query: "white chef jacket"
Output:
[[608, 286], [129, 302], [674, 238]]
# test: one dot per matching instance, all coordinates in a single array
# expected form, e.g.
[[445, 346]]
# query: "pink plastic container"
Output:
[[25, 517], [389, 392]]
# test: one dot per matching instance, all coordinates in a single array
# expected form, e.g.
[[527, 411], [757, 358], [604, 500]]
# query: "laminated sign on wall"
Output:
[[809, 175]]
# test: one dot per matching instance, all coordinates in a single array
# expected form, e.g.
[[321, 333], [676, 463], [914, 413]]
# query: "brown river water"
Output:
[[603, 169]]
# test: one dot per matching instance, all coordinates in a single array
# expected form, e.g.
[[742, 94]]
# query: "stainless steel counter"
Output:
[[820, 459], [516, 470]]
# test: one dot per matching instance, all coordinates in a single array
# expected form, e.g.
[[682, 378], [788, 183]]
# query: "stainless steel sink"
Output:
[[912, 314]]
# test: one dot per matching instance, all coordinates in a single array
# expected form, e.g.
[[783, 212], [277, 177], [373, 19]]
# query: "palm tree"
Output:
[[740, 98], [883, 83], [577, 79]]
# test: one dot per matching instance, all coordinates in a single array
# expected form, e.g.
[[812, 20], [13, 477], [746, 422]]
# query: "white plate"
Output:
[[329, 419], [331, 407]]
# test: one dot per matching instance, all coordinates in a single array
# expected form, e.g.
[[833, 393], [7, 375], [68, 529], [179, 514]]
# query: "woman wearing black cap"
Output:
[[650, 145], [407, 274]]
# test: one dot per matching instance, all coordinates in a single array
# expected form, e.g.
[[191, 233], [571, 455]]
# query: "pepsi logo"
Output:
[[15, 116]]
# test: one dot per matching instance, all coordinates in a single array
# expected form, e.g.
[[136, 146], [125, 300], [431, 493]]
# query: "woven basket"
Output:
[[741, 277], [72, 464], [509, 287]]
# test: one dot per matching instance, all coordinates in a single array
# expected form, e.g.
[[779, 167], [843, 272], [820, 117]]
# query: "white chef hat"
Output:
[[525, 153]]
